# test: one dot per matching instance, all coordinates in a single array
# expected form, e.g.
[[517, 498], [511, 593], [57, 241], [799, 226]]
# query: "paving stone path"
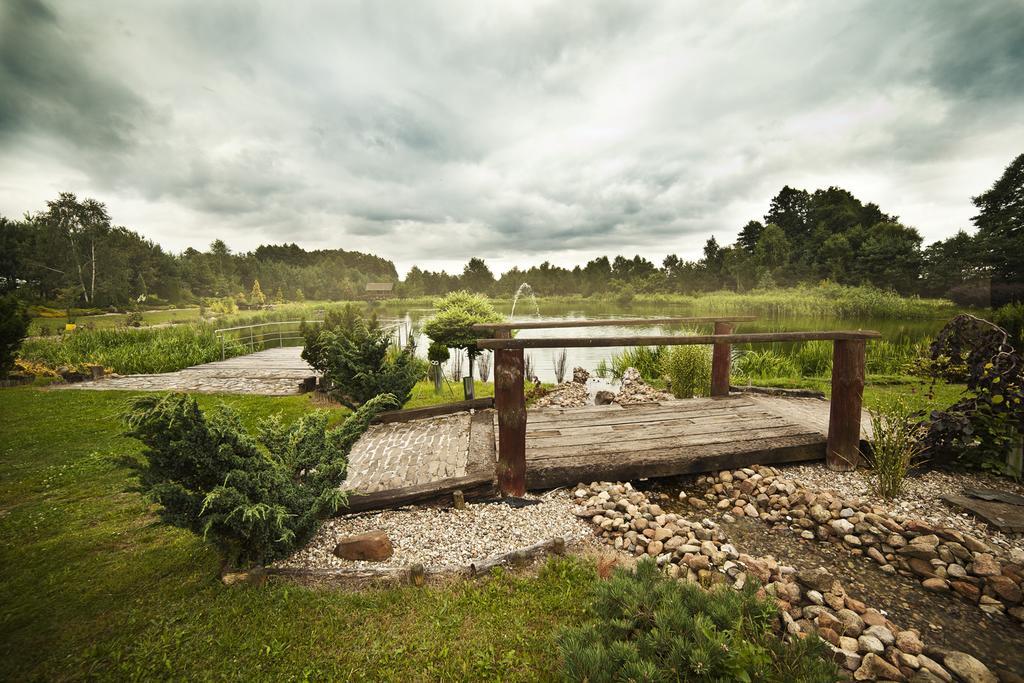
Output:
[[274, 372], [399, 454]]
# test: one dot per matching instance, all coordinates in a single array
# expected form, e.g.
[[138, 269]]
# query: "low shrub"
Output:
[[688, 370], [256, 498], [895, 445], [355, 356], [646, 627], [14, 321]]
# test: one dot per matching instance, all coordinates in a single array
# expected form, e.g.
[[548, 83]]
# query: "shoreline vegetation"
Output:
[[165, 340]]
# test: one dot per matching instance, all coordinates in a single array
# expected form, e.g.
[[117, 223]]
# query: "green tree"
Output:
[[452, 325], [1000, 223], [834, 258], [256, 296], [749, 236], [477, 277], [773, 249], [890, 257], [788, 210]]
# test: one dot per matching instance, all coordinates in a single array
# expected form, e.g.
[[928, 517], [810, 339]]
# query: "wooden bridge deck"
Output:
[[613, 442], [565, 446]]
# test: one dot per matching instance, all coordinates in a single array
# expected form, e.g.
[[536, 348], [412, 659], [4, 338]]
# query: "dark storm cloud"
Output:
[[440, 130]]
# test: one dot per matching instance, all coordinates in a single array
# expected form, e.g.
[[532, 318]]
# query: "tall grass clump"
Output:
[[824, 300], [688, 370], [560, 361], [646, 359], [129, 351], [895, 445], [644, 626], [764, 364]]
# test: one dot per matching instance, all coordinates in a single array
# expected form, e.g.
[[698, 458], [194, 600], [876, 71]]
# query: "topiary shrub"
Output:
[[452, 325], [14, 321], [355, 357], [647, 627], [688, 369], [256, 498]]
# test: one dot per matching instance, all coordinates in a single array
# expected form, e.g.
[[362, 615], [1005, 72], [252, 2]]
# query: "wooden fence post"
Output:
[[844, 420], [511, 405], [721, 358]]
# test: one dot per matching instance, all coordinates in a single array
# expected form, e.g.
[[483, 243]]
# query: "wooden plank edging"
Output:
[[433, 411]]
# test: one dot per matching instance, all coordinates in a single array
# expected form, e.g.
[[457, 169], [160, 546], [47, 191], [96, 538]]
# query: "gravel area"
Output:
[[920, 498], [441, 538]]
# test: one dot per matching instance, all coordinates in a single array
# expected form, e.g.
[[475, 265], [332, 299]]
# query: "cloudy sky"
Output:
[[429, 132]]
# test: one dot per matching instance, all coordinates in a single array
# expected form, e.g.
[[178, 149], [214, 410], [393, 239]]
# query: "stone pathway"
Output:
[[274, 372], [399, 454]]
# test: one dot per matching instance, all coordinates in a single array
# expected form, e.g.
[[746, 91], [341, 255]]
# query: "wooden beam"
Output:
[[433, 411], [676, 340], [843, 448], [721, 359], [511, 405], [605, 322], [473, 487]]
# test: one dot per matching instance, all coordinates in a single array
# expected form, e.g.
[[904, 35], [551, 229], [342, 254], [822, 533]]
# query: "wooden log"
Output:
[[676, 340], [511, 405], [458, 499], [721, 359], [611, 322], [473, 487], [844, 421], [433, 411]]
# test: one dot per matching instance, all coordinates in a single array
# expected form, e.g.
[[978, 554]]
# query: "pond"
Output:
[[899, 337]]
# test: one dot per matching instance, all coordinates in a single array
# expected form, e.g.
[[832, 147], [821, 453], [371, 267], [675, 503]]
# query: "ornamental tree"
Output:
[[452, 325]]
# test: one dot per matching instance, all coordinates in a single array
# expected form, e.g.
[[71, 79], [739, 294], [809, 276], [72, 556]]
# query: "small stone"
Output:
[[841, 526], [875, 668], [1005, 588], [985, 565], [819, 514], [882, 633], [909, 642], [935, 584], [853, 625], [968, 668], [936, 669], [869, 644]]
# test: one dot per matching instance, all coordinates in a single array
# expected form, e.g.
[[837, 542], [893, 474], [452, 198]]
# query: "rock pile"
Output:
[[943, 559], [580, 376], [862, 639], [634, 389], [565, 395]]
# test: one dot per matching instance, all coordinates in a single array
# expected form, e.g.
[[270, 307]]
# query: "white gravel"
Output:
[[921, 497], [441, 538]]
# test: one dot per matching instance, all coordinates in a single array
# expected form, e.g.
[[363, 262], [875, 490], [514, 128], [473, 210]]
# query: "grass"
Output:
[[423, 393], [93, 588]]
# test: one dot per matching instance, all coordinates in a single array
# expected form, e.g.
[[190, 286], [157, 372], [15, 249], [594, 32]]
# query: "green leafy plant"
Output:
[[894, 447], [979, 429], [354, 356], [646, 627], [256, 498], [688, 369], [14, 321]]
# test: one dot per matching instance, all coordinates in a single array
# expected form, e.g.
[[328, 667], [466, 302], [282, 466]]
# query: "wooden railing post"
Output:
[[844, 421], [720, 362], [511, 405]]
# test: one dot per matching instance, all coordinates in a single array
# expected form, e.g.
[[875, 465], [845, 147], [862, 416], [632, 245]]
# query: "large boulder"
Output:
[[374, 546]]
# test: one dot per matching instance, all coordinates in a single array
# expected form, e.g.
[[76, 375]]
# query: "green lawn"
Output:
[[93, 588]]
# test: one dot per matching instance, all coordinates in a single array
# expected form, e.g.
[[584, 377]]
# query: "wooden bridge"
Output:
[[662, 440], [512, 449]]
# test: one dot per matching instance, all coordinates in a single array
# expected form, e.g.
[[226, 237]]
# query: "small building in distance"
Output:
[[379, 290]]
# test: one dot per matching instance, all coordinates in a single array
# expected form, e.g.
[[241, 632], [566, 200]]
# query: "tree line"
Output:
[[71, 254], [828, 234]]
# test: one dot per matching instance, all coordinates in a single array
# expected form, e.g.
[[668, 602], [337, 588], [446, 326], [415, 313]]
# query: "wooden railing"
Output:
[[848, 359]]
